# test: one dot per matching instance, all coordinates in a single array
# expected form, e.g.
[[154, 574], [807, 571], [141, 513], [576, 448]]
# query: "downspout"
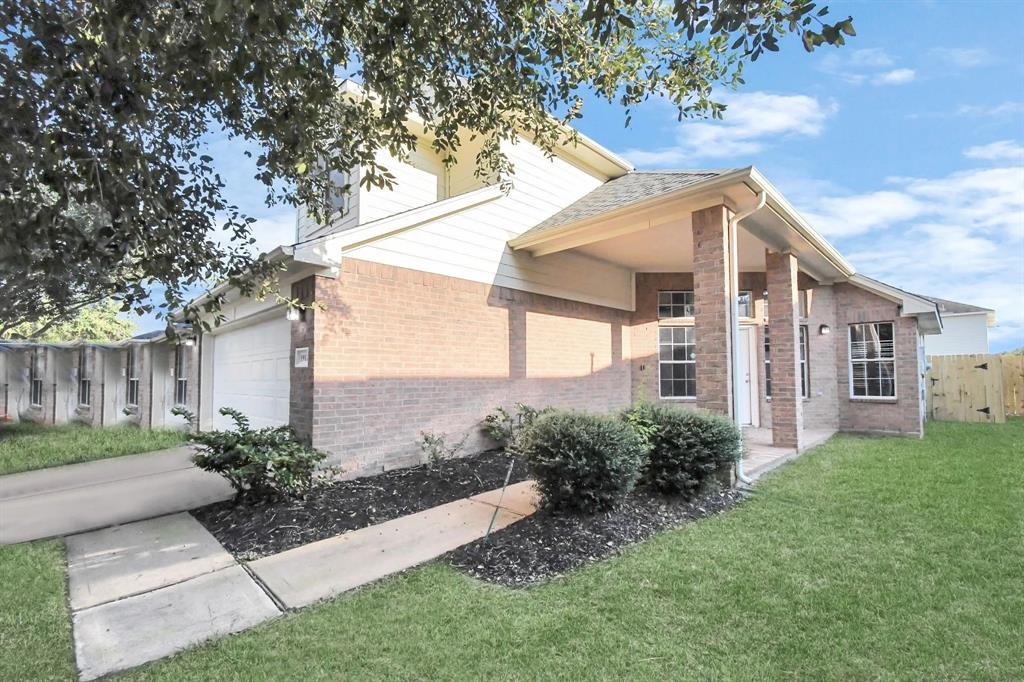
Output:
[[734, 322]]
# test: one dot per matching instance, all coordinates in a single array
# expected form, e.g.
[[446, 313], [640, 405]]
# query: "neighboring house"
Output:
[[589, 285], [137, 381], [964, 329]]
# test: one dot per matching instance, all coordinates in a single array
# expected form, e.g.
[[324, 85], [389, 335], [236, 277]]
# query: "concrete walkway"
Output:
[[146, 590], [761, 456], [80, 497]]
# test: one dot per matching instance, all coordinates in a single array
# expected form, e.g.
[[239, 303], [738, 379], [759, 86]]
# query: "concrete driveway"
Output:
[[79, 497]]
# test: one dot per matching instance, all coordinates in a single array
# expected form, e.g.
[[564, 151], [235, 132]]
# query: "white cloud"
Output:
[[994, 110], [751, 121], [894, 77], [964, 57], [960, 236], [857, 67], [1003, 149]]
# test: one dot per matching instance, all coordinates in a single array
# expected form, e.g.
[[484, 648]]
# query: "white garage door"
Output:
[[251, 373]]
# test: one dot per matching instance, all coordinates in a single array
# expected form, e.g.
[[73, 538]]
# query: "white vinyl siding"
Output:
[[872, 361], [472, 244]]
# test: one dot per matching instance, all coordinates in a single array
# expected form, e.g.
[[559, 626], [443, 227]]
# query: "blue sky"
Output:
[[905, 148]]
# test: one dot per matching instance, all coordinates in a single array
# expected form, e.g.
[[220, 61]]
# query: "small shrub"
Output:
[[508, 430], [582, 462], [261, 463], [685, 448], [436, 448]]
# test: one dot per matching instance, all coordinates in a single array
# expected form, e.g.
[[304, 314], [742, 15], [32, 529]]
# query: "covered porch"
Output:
[[717, 260]]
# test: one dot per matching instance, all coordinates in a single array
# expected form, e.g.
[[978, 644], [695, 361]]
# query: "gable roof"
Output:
[[623, 191], [947, 307]]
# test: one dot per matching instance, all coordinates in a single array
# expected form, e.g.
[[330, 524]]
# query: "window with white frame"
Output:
[[35, 378], [805, 373], [84, 379], [181, 371], [132, 372], [872, 360], [675, 304], [745, 304], [677, 371]]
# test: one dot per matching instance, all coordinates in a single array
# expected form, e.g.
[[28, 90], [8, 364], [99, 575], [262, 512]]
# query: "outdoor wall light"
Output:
[[824, 329], [190, 342], [294, 314]]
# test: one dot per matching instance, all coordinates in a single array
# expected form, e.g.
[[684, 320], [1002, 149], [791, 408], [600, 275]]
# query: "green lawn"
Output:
[[865, 559], [26, 446]]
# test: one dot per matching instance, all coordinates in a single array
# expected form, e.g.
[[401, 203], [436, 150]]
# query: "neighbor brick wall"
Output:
[[401, 351], [901, 415]]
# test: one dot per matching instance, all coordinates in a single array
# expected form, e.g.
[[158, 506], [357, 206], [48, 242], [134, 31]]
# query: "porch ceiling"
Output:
[[668, 247]]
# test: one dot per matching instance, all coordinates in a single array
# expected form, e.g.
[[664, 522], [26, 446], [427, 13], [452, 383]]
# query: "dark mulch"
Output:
[[548, 544], [253, 531]]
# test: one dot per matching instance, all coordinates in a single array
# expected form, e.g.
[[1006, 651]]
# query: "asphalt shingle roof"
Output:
[[953, 308], [629, 189]]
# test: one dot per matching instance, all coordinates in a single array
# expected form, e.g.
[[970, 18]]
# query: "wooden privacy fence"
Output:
[[975, 388]]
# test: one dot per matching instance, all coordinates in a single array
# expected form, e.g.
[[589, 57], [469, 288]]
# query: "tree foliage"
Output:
[[106, 107], [101, 322]]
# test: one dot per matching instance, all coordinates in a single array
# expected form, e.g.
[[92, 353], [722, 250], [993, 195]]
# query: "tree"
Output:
[[100, 322], [105, 106]]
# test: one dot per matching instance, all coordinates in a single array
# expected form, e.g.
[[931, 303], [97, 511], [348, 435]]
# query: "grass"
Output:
[[882, 559], [25, 446], [35, 632]]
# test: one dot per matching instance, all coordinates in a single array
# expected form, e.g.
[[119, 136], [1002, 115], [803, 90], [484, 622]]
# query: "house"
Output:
[[588, 285], [137, 381], [964, 329]]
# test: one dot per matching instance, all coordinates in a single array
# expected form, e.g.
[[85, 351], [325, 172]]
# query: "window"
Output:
[[132, 371], [84, 380], [675, 304], [35, 378], [181, 374], [677, 362], [745, 303], [337, 191], [872, 360], [805, 374]]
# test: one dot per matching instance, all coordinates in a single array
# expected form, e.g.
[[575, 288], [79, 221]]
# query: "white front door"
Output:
[[749, 414]]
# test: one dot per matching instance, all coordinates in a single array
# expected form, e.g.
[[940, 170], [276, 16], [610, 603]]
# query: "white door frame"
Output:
[[748, 404]]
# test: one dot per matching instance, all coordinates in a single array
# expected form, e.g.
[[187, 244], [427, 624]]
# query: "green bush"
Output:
[[508, 430], [261, 463], [582, 462], [684, 447]]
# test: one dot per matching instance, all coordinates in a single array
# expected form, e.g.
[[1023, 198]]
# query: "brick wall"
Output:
[[711, 322], [901, 415], [401, 351], [784, 325], [644, 333]]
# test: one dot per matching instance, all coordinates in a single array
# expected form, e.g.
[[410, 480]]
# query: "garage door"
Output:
[[251, 373]]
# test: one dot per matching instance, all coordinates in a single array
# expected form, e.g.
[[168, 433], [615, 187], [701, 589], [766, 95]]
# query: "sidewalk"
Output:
[[79, 497], [146, 590]]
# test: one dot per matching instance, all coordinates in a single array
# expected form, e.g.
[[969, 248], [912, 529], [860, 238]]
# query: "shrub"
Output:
[[261, 463], [508, 430], [684, 447], [582, 462], [436, 449]]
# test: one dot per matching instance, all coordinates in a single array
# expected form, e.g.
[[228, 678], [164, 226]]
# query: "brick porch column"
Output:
[[711, 302], [784, 326]]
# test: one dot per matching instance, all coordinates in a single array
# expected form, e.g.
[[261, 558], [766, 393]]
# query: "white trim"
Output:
[[911, 305], [849, 366]]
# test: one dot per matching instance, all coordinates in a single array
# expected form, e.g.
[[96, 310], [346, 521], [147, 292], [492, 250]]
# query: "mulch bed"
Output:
[[548, 544], [253, 531]]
